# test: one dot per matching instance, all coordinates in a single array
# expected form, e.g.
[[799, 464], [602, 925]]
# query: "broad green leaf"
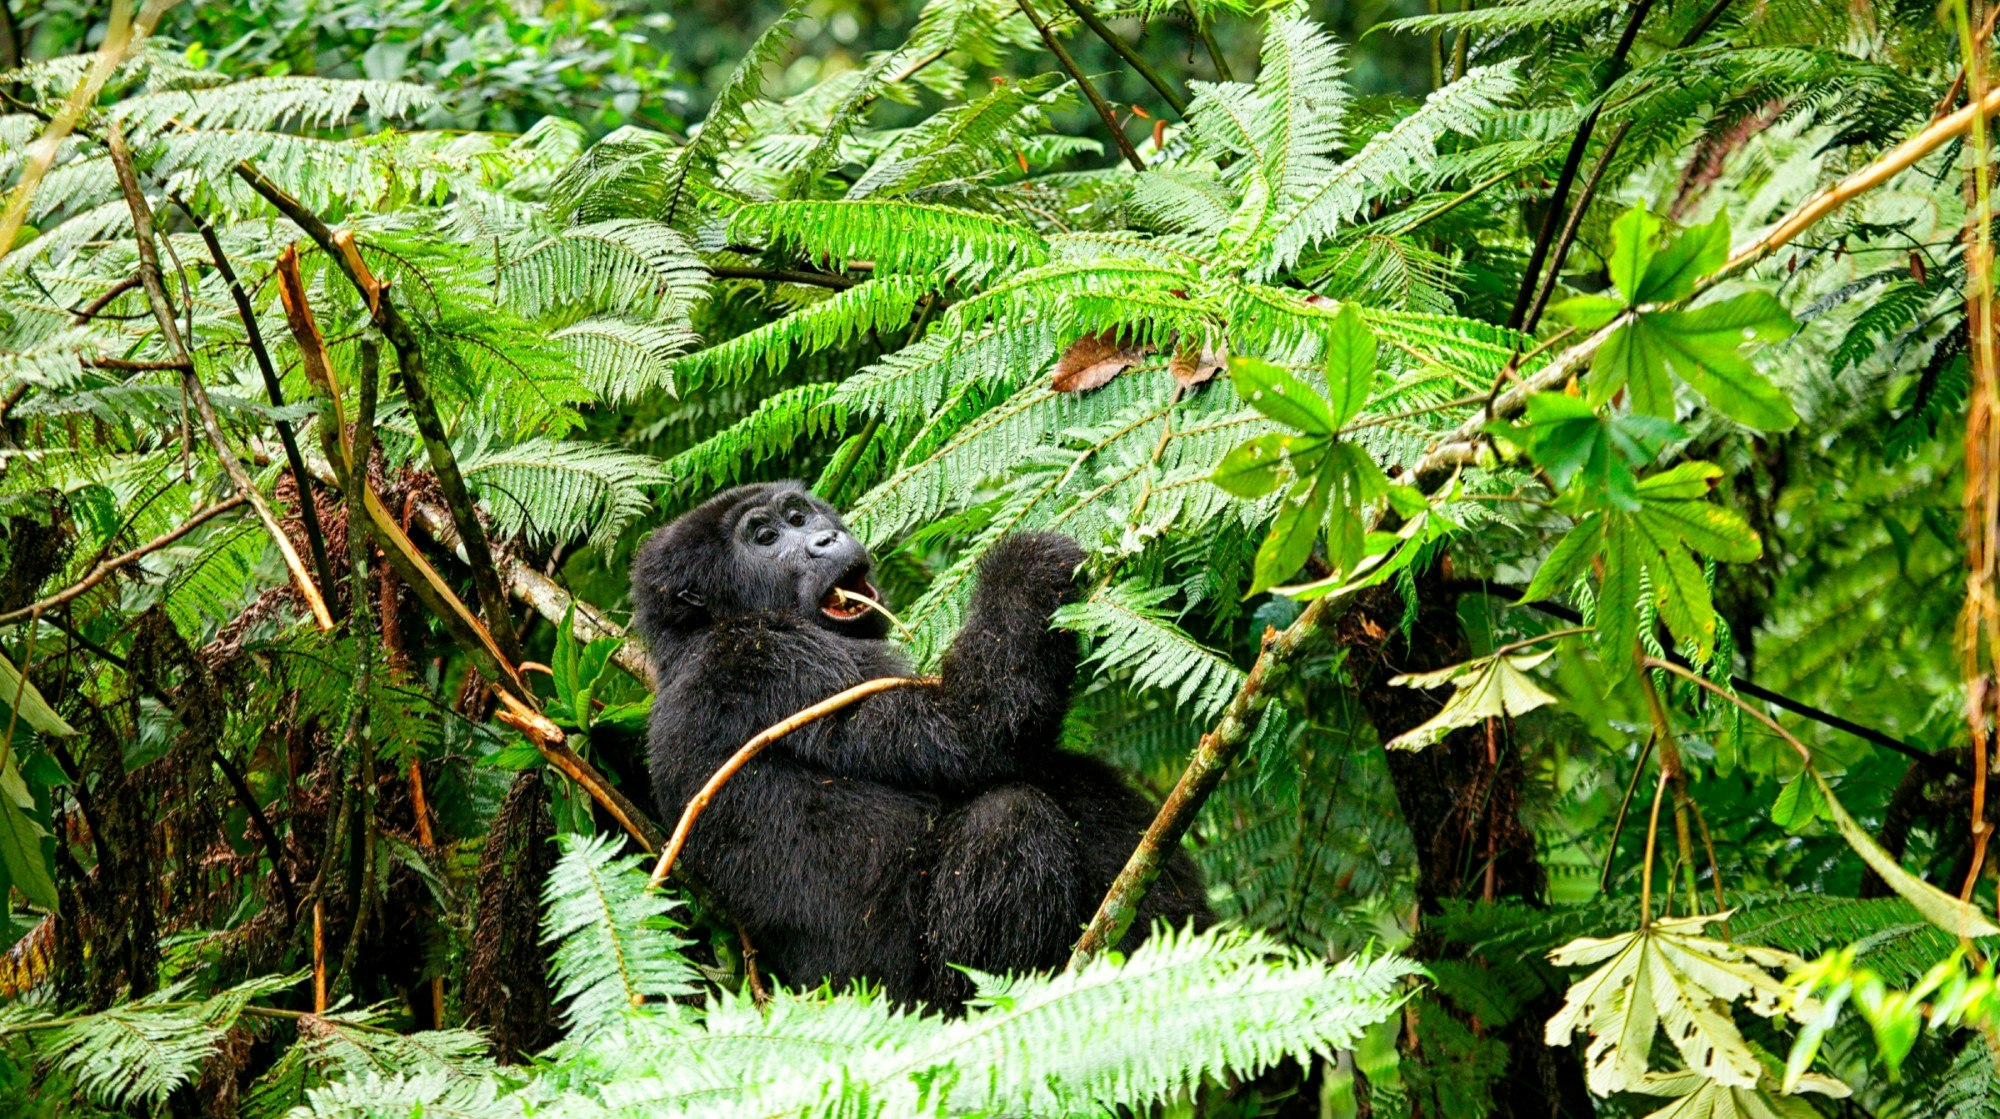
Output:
[[1257, 466], [1679, 590], [1632, 357], [1692, 480], [1701, 347], [21, 854], [1485, 688], [1695, 253], [1668, 976], [1587, 455], [1568, 560], [1939, 908], [1799, 804], [17, 693], [1297, 525], [1633, 238], [1353, 480], [1618, 602], [1715, 531], [1589, 312], [1696, 1097], [1274, 391], [1350, 364]]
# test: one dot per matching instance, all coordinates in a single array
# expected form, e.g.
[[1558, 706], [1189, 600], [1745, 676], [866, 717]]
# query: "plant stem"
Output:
[[163, 314], [1208, 43], [1212, 757], [104, 570], [402, 338], [1124, 50], [1097, 101], [1552, 221], [308, 509], [361, 629]]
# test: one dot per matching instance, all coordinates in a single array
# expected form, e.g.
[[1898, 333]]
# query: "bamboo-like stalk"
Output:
[[402, 338], [163, 314], [1075, 72], [699, 802]]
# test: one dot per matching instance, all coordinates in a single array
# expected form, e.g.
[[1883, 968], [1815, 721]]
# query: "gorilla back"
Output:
[[928, 825]]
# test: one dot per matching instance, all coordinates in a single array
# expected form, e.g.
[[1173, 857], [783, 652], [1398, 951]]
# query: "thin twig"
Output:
[[402, 338], [275, 850], [254, 335], [1096, 99], [93, 308], [1531, 274], [361, 629], [191, 386], [1132, 57], [104, 570], [751, 749]]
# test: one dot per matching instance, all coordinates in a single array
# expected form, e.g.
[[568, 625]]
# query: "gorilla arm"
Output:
[[1001, 695]]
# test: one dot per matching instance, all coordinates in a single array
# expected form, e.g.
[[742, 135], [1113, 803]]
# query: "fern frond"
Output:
[[552, 491], [614, 942], [1393, 159], [1133, 633], [620, 359], [915, 238], [623, 265], [881, 304]]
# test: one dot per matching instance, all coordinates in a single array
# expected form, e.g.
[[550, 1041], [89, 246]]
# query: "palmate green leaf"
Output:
[[1673, 271], [1293, 532], [1350, 364], [1484, 688], [1666, 976], [1274, 391], [1568, 560], [1258, 466], [1701, 348], [1635, 238], [1799, 803], [1590, 458]]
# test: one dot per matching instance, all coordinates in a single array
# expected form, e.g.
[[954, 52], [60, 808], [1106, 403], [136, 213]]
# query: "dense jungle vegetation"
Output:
[[1537, 460]]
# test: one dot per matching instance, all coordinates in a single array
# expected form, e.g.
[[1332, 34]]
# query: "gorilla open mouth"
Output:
[[840, 606]]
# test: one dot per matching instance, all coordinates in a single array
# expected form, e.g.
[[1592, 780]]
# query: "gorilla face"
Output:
[[800, 555], [759, 548]]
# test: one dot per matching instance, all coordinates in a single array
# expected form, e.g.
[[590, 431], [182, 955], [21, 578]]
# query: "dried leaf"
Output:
[[1091, 361], [1667, 977], [1487, 688], [1191, 369]]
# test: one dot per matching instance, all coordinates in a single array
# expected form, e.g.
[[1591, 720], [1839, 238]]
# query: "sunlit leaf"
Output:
[[1484, 688]]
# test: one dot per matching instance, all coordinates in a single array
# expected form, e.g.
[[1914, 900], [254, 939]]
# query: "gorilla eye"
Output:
[[796, 518], [765, 535]]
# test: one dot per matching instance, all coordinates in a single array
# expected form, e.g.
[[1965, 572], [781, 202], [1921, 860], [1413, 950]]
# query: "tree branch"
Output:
[[163, 314], [1531, 275], [402, 338], [1097, 102], [103, 570], [783, 276], [308, 509], [1132, 57], [1212, 757]]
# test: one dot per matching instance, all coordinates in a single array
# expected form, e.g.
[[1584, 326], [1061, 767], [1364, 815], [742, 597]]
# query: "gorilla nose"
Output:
[[826, 541]]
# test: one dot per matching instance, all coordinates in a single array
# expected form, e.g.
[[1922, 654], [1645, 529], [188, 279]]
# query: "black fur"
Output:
[[928, 825]]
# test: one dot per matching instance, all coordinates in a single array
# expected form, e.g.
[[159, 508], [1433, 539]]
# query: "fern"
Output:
[[554, 492], [913, 238], [613, 948], [1129, 628]]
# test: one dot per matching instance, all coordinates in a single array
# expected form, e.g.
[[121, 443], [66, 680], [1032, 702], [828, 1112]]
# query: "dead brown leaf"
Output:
[[1190, 368], [1091, 361]]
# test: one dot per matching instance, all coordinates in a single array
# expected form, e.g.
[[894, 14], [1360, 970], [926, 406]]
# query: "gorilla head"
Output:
[[770, 547]]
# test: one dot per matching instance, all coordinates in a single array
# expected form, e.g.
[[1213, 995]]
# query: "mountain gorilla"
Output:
[[931, 824]]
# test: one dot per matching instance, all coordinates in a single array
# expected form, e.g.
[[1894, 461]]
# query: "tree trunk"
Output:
[[1461, 800]]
